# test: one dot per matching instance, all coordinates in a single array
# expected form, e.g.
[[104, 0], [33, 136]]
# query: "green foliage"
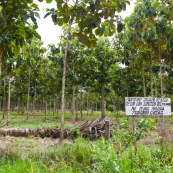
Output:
[[129, 137], [88, 16], [15, 30], [48, 1], [104, 157], [145, 47]]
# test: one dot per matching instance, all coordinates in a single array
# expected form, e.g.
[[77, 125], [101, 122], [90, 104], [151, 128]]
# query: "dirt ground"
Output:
[[24, 147]]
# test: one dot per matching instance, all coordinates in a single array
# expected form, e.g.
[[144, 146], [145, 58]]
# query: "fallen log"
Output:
[[37, 132], [92, 129]]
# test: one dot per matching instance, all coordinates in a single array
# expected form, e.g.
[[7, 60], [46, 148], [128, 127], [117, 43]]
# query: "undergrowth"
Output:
[[91, 157], [118, 155]]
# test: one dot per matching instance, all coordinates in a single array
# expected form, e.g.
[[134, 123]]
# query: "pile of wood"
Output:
[[92, 130]]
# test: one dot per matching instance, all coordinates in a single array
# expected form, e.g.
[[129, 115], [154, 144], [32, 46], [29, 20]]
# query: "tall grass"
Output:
[[90, 157]]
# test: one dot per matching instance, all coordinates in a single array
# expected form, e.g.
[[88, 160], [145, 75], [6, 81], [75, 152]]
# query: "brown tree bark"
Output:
[[81, 104], [18, 105], [28, 96], [4, 100], [54, 106], [76, 105], [151, 78], [22, 107], [1, 53], [34, 104], [155, 83], [45, 107], [87, 102], [103, 101], [144, 82], [9, 96], [73, 102], [161, 75], [64, 80]]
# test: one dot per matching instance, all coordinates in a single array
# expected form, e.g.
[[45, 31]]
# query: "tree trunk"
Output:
[[92, 110], [1, 52], [161, 75], [29, 80], [58, 107], [81, 104], [151, 78], [103, 101], [118, 105], [73, 102], [45, 110], [0, 104], [22, 107], [144, 83], [76, 105], [49, 105], [114, 103], [18, 105], [155, 84], [13, 105], [34, 104], [87, 102], [4, 101], [39, 106], [54, 106], [127, 91], [42, 105], [63, 80], [9, 94]]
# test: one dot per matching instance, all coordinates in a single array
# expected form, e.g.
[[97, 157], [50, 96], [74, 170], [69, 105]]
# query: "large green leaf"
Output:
[[34, 20], [48, 1], [35, 6], [59, 21], [66, 18], [92, 7], [24, 17], [119, 7], [119, 27], [30, 1], [99, 31], [106, 31], [54, 18], [47, 14]]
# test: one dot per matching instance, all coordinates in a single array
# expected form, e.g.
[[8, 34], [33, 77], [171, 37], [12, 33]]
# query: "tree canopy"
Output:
[[99, 70]]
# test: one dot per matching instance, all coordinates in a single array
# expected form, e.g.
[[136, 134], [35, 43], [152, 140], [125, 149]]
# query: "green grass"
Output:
[[90, 157], [30, 155], [49, 120]]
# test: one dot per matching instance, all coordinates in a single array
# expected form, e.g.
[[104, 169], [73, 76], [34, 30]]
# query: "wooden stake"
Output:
[[107, 129], [133, 122], [162, 125]]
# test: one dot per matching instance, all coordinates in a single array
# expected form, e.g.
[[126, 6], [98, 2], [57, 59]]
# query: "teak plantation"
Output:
[[55, 100]]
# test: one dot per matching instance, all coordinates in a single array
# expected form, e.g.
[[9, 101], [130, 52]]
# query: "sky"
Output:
[[49, 32]]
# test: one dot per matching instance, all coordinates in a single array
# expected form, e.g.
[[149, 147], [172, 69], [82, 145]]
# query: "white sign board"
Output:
[[147, 106]]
